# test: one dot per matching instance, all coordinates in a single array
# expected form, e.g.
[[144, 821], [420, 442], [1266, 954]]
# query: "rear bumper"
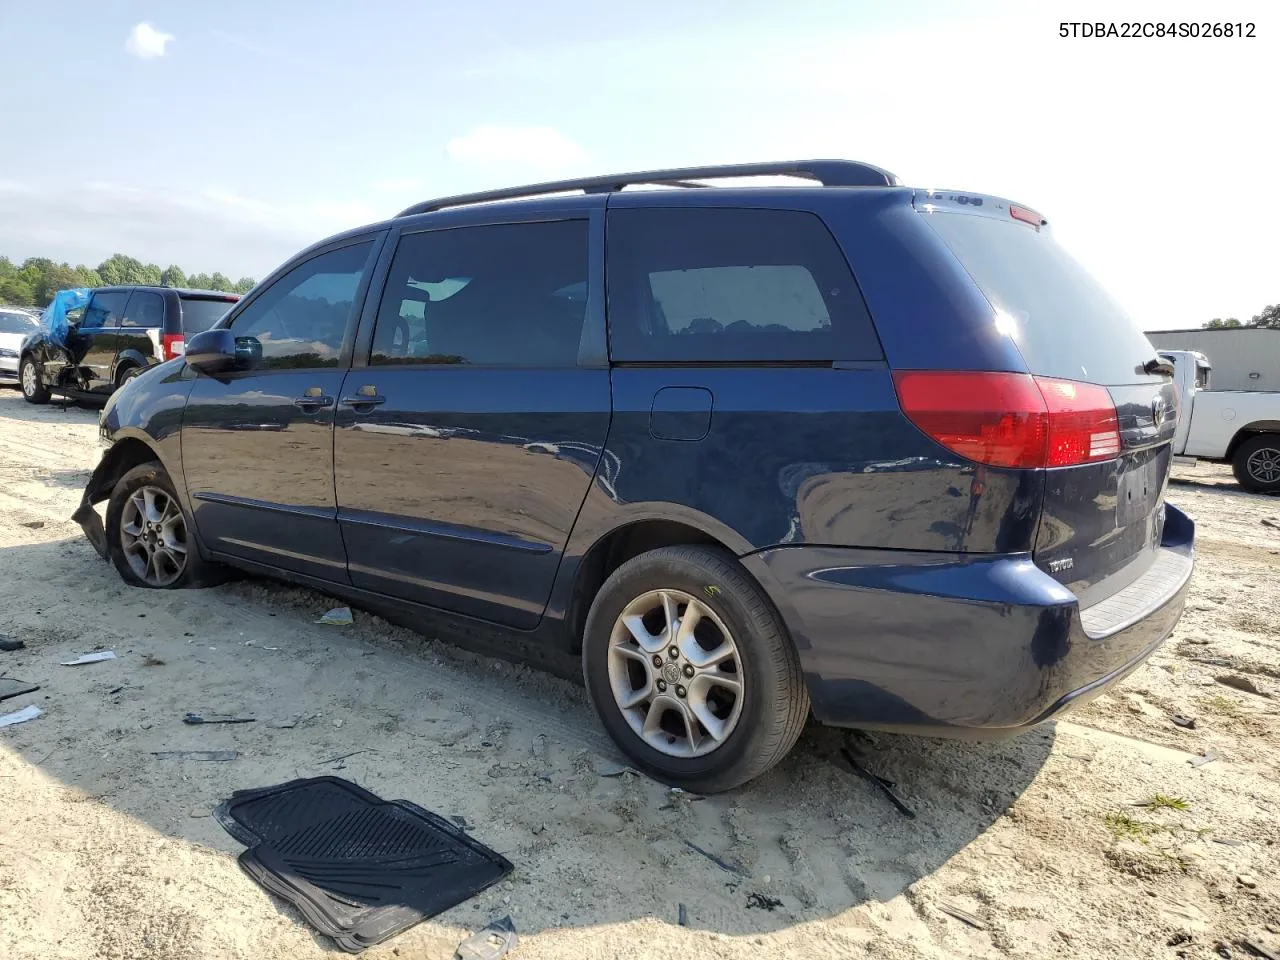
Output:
[[963, 646]]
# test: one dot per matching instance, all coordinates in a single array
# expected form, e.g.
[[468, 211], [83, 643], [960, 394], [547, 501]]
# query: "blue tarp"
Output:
[[54, 318]]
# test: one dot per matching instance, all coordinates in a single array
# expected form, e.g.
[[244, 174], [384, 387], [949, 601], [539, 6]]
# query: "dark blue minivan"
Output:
[[884, 455]]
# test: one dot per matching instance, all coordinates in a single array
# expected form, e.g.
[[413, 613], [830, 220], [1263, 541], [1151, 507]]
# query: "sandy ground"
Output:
[[109, 852]]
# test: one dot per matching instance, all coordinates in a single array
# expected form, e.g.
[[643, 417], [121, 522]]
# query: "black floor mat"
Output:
[[359, 869], [262, 815]]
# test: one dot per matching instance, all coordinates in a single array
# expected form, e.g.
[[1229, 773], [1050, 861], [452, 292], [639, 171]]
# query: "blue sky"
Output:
[[255, 128]]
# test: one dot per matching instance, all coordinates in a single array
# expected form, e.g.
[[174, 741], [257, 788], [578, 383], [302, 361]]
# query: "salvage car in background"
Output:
[[1238, 427], [120, 333], [15, 326], [883, 454]]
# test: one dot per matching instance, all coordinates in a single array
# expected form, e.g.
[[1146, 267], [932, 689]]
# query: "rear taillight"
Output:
[[1083, 426], [1012, 419], [173, 346]]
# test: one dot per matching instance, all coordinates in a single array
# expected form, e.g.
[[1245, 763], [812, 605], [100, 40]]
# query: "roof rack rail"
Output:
[[829, 173]]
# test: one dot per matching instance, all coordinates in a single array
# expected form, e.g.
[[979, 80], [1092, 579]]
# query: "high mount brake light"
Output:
[[1026, 215]]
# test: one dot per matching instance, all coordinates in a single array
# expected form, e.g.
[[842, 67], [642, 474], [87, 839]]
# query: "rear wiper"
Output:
[[1158, 365]]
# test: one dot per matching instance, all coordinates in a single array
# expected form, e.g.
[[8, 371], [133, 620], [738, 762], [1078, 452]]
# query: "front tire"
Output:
[[33, 388], [149, 535], [1256, 464], [691, 670], [125, 375]]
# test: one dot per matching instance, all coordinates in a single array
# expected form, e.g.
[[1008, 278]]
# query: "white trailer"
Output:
[[1243, 358]]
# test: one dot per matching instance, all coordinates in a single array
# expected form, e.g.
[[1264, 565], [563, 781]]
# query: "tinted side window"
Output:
[[302, 318], [201, 313], [105, 309], [731, 285], [509, 294], [146, 309]]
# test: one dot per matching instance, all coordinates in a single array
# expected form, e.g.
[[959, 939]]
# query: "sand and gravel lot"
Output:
[[107, 851]]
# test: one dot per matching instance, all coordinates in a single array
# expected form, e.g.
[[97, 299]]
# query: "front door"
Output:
[[93, 342], [257, 443], [141, 331], [464, 449]]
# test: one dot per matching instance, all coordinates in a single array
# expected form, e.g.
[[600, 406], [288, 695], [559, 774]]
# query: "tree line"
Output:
[[1268, 319], [34, 282]]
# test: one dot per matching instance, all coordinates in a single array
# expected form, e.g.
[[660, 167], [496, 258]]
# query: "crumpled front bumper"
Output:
[[96, 490]]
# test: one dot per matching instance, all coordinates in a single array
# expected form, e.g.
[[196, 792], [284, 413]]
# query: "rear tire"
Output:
[[125, 375], [1256, 464], [150, 537], [33, 388], [704, 736]]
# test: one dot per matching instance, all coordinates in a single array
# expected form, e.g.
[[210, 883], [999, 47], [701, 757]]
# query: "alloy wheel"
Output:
[[29, 381], [153, 535], [676, 673], [1264, 465]]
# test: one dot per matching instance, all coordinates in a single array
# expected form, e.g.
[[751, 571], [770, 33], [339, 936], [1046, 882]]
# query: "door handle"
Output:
[[313, 401], [366, 396]]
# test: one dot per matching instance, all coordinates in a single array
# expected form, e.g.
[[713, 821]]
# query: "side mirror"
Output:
[[212, 352]]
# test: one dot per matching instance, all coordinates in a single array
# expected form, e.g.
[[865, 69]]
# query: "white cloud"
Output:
[[318, 217], [146, 42], [522, 146], [214, 229], [246, 208], [397, 184]]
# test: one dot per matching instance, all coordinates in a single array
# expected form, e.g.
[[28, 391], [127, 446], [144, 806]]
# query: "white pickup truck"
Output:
[[1227, 426]]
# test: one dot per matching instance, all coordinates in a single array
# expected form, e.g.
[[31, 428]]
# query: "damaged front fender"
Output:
[[101, 482]]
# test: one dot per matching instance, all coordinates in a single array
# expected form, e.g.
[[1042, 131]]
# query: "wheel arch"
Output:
[[616, 547], [36, 355], [121, 457], [1249, 431], [127, 360]]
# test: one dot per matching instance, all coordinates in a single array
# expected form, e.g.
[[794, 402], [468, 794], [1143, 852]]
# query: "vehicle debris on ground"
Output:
[[20, 716], [13, 687], [96, 657]]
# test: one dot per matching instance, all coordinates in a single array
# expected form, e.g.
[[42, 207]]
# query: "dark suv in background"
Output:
[[883, 454], [120, 332]]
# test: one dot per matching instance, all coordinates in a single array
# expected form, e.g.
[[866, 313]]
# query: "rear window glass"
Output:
[[14, 322], [1064, 323], [731, 285], [200, 315]]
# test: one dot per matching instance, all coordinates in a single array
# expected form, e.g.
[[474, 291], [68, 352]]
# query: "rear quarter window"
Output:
[[731, 285], [1063, 321], [201, 313], [145, 309]]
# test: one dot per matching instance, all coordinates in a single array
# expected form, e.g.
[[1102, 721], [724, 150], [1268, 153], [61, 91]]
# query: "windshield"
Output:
[[1063, 321], [199, 315], [13, 322]]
